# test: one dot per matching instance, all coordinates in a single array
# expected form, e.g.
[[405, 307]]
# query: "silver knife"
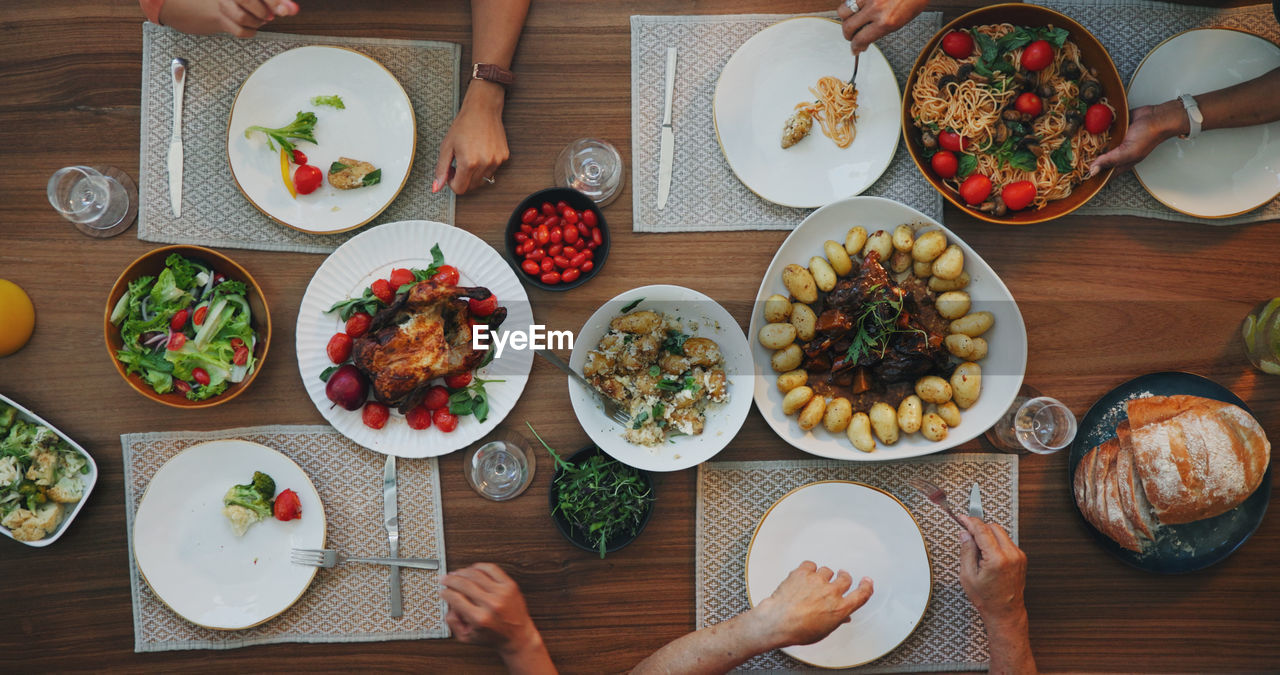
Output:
[[179, 69], [391, 520], [975, 503], [668, 136]]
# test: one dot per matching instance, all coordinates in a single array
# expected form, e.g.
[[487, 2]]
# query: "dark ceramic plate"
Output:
[[1178, 548], [576, 537], [579, 202]]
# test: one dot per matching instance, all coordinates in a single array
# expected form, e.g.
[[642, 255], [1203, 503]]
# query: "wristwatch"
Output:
[[1193, 114], [492, 73]]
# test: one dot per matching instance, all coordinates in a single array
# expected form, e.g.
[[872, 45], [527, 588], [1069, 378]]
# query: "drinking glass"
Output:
[[500, 466], [1261, 333], [1034, 423], [592, 167], [86, 197]]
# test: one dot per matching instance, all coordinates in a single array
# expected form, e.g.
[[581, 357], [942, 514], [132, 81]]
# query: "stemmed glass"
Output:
[[500, 466], [86, 196], [1034, 423], [592, 167]]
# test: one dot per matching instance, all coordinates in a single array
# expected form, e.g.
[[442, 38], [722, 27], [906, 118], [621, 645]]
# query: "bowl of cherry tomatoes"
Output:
[[557, 239]]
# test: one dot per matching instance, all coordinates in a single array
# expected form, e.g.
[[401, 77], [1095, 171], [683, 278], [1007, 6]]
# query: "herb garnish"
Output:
[[674, 344], [1062, 157], [370, 304], [632, 305], [472, 400], [875, 326]]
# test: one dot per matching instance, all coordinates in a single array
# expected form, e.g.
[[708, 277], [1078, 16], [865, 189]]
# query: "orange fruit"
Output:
[[17, 317]]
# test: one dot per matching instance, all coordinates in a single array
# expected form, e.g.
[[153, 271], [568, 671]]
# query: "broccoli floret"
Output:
[[8, 414], [255, 496], [264, 484]]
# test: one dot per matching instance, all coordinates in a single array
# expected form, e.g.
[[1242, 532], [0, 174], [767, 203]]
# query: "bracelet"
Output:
[[1193, 114]]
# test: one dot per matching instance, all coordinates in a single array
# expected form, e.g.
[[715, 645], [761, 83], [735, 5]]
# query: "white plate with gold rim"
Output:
[[1221, 172], [862, 530], [189, 556], [758, 90], [376, 126]]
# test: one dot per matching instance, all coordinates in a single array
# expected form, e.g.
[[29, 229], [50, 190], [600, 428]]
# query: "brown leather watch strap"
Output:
[[492, 73]]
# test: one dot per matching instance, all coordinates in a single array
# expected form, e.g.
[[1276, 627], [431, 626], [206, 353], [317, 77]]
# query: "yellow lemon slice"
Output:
[[17, 317], [1249, 329]]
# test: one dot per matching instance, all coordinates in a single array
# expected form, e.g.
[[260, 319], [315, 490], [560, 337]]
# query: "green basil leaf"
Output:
[[372, 178], [1054, 36], [336, 167], [1062, 157], [966, 165], [632, 305], [1024, 160], [988, 47], [480, 407], [328, 372], [461, 406], [1018, 37]]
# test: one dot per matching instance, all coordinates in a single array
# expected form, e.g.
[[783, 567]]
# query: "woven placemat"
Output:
[[734, 496], [705, 193], [214, 212], [1130, 29], [347, 603]]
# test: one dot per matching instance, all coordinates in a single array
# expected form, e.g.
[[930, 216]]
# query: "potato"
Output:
[[854, 241], [943, 285], [803, 318], [823, 275], [839, 412], [788, 358], [933, 389], [909, 414], [900, 262], [795, 400], [881, 242], [903, 238], [974, 324], [922, 269], [859, 432], [777, 335], [777, 308], [950, 264], [966, 383], [792, 379], [884, 421], [929, 245], [949, 413], [933, 427], [812, 412], [800, 283], [952, 304], [960, 345], [979, 349], [837, 256]]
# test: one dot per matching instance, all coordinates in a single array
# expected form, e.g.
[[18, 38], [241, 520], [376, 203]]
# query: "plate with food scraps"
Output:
[[38, 514], [682, 365], [796, 63], [349, 118], [384, 355], [862, 530], [188, 553], [868, 362]]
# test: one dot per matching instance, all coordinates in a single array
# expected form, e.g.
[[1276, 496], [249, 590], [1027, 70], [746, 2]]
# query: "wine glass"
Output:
[[1034, 423], [592, 167], [85, 196], [500, 466]]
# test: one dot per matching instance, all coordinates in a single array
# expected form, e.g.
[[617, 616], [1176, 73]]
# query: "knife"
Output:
[[668, 136], [975, 503], [391, 520], [179, 69]]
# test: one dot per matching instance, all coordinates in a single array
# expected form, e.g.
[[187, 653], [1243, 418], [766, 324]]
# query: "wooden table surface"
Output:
[[1104, 299]]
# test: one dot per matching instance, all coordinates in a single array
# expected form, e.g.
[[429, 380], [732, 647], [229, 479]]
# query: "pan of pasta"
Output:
[[1006, 107]]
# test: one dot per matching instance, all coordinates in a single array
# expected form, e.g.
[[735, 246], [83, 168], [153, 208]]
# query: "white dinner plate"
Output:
[[758, 90], [701, 317], [196, 565], [1222, 172], [1002, 369], [377, 126], [859, 529], [372, 255]]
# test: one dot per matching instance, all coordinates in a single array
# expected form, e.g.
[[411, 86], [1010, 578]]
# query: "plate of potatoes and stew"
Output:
[[878, 334]]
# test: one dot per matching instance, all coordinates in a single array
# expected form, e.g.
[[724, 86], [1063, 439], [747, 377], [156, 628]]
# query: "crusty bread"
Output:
[[1098, 494], [1132, 498]]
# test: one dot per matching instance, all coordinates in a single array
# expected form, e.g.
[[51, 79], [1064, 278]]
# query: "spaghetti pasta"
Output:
[[835, 110]]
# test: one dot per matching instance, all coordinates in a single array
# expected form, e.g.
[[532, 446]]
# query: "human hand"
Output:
[[809, 604], [241, 18], [993, 570], [486, 607], [476, 144], [1149, 126], [876, 19]]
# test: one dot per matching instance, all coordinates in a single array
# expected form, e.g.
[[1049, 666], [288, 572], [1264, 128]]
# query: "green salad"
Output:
[[188, 330], [40, 477]]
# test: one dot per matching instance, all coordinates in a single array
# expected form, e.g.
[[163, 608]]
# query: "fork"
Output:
[[611, 408], [936, 495], [327, 557]]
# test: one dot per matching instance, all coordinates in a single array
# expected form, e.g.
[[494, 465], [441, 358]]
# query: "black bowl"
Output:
[[570, 533], [580, 203]]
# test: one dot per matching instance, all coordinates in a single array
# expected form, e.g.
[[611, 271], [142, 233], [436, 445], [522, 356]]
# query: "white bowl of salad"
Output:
[[187, 326], [45, 477]]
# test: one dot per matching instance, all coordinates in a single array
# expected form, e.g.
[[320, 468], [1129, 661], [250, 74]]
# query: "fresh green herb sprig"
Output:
[[876, 327], [370, 304], [303, 128], [472, 400], [600, 497], [632, 305]]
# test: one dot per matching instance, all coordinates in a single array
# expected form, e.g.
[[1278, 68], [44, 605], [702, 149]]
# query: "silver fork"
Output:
[[936, 495], [611, 408], [327, 557]]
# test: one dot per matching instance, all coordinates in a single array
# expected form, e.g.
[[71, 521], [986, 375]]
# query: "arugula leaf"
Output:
[[1024, 160], [1062, 157], [372, 178], [966, 165], [632, 305]]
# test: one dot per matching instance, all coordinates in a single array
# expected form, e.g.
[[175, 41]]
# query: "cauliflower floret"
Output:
[[44, 464], [241, 518], [68, 490], [29, 526], [9, 471], [716, 384], [72, 462]]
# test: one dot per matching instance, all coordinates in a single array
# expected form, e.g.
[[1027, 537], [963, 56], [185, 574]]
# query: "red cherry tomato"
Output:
[[418, 418], [577, 260], [240, 356], [550, 278], [299, 157], [179, 320], [339, 348], [536, 255], [944, 163], [569, 252], [590, 254], [957, 44], [444, 420], [587, 266], [589, 218], [530, 267], [530, 215], [358, 324], [1037, 55], [483, 308], [1030, 104], [950, 140], [237, 343], [547, 265], [447, 274], [542, 234], [382, 290], [200, 375], [374, 415], [553, 221], [526, 228], [306, 179], [975, 189], [201, 312], [570, 275], [583, 228], [557, 235], [1019, 195], [181, 386], [287, 506], [521, 237], [1098, 118], [560, 261], [401, 276], [457, 381], [593, 244], [597, 237], [176, 341], [562, 205], [548, 209], [437, 397], [555, 250], [571, 235], [569, 215]]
